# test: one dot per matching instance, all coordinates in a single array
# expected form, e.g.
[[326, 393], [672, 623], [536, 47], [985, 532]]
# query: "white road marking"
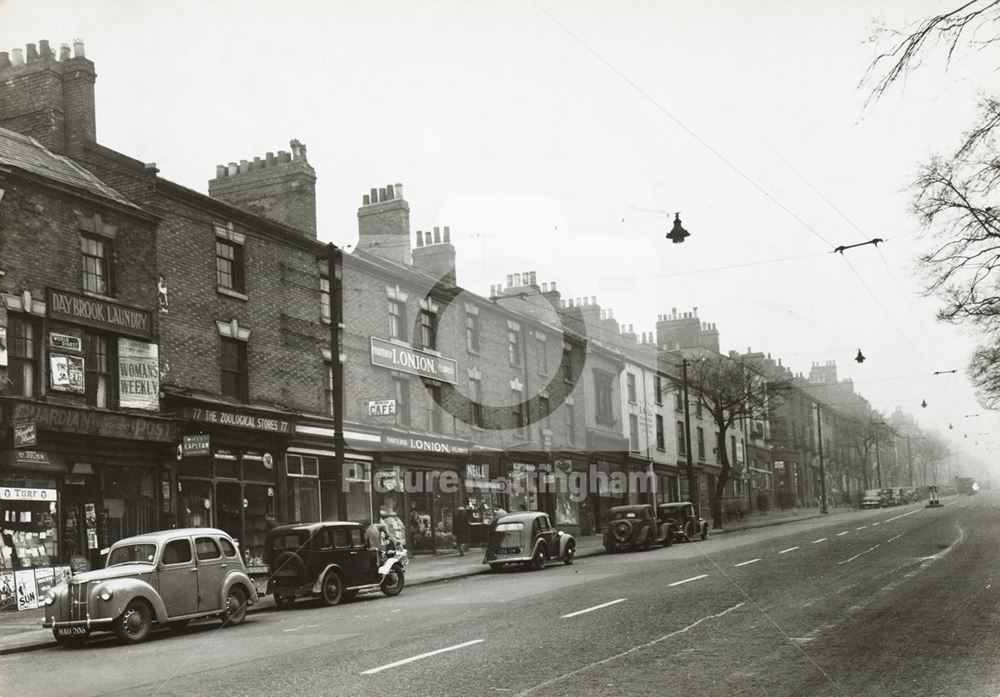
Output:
[[893, 538], [293, 629], [596, 607], [876, 523], [411, 659], [790, 549], [843, 533], [627, 652], [744, 563], [822, 539], [688, 580], [858, 555], [902, 516], [862, 527]]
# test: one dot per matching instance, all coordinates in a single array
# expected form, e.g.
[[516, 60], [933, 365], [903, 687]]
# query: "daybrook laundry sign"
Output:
[[93, 312]]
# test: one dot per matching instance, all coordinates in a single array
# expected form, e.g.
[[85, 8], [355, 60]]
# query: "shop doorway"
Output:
[[196, 505]]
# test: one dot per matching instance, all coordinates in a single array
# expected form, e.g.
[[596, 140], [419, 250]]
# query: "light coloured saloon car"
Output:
[[167, 578]]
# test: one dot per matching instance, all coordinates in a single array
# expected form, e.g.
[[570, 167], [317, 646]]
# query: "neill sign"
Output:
[[410, 360], [92, 312]]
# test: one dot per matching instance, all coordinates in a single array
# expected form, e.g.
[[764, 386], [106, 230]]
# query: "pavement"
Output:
[[22, 631]]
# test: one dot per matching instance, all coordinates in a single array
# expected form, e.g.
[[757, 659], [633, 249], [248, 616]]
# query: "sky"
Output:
[[561, 137]]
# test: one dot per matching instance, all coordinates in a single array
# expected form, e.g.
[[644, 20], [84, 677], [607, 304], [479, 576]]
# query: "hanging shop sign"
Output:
[[92, 312], [74, 420], [138, 375], [239, 419], [196, 446], [253, 456], [381, 407], [25, 435], [13, 493], [65, 342], [225, 455], [386, 354], [66, 373]]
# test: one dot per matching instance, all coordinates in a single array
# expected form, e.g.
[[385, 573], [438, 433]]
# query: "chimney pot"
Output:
[[366, 200], [552, 286], [4, 60], [447, 235], [17, 57], [534, 280], [244, 167], [399, 191], [517, 280], [545, 287], [570, 302], [420, 239], [381, 195], [388, 192], [233, 169], [611, 313], [510, 280], [64, 52], [562, 302], [32, 55], [374, 195], [284, 157], [271, 159], [220, 171], [43, 48], [437, 235], [78, 50], [593, 299], [257, 163], [696, 312]]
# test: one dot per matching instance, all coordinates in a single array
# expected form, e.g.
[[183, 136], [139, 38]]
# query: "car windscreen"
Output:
[[132, 554]]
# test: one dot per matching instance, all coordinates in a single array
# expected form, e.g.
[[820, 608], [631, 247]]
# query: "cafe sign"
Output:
[[381, 407], [13, 493], [25, 435], [239, 419], [102, 314], [387, 354]]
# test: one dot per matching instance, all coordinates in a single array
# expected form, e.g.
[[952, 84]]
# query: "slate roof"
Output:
[[27, 154]]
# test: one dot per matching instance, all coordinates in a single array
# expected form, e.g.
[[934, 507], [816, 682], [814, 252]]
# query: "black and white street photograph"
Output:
[[440, 348]]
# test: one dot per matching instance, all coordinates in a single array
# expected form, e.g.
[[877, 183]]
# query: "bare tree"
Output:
[[859, 435], [955, 195], [730, 390]]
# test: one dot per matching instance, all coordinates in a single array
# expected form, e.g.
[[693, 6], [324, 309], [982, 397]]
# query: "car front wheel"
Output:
[[236, 607], [570, 554], [333, 589], [134, 624]]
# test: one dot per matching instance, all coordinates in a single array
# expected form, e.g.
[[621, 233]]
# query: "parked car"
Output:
[[527, 538], [168, 578], [873, 498], [901, 496], [636, 526], [889, 495], [329, 561], [683, 521]]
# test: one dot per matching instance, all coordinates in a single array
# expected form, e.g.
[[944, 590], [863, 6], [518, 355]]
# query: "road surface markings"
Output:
[[596, 607], [822, 539], [305, 626], [862, 527], [411, 659], [687, 580], [627, 652], [902, 516], [870, 549], [786, 551], [843, 533], [876, 523], [893, 538], [744, 563]]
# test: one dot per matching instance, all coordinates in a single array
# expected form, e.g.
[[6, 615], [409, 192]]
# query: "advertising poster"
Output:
[[8, 599], [45, 580], [66, 373], [62, 573], [27, 593], [138, 375]]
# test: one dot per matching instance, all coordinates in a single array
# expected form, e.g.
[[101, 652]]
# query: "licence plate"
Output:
[[286, 573], [509, 550], [71, 631]]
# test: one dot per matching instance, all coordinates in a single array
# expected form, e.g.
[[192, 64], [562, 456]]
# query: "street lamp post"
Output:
[[693, 492], [335, 271], [822, 470]]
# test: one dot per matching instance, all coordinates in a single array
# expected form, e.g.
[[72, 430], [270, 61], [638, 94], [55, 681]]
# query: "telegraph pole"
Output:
[[822, 470], [693, 492]]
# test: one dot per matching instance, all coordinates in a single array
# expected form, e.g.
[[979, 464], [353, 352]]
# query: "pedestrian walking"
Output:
[[460, 526]]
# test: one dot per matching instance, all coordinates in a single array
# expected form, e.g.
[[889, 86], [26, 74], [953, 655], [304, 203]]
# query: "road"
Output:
[[900, 601]]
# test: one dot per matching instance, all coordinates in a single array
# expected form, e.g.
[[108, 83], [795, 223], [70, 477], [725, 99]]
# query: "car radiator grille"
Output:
[[78, 595]]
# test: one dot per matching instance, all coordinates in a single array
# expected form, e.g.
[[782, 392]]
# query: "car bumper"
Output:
[[507, 560]]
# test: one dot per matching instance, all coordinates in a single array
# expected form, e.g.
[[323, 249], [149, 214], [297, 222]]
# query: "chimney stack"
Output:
[[436, 256], [384, 225]]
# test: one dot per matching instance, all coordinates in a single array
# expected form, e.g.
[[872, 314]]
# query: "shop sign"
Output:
[[238, 419], [91, 312], [387, 480], [25, 435], [75, 480], [196, 446], [779, 465], [65, 342], [31, 457], [381, 407], [477, 471], [386, 354], [429, 445], [253, 456], [13, 493], [138, 375], [225, 455], [67, 419], [66, 373]]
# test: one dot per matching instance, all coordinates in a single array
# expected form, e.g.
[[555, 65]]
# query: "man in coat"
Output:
[[460, 526]]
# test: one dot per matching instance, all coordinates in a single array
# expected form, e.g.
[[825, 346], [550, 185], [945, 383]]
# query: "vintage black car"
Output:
[[635, 527], [329, 561], [528, 539], [683, 521]]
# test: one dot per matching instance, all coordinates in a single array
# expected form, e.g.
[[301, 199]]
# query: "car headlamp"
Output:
[[49, 598], [104, 594]]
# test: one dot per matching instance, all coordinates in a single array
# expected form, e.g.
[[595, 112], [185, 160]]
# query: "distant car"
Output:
[[873, 498], [890, 497], [168, 577], [527, 538], [636, 526], [329, 561], [683, 521]]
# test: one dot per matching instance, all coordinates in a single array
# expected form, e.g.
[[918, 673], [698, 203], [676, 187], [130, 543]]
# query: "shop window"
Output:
[[397, 320], [129, 502], [302, 487], [604, 409], [259, 507], [476, 402], [401, 391], [206, 549], [633, 432], [229, 265], [96, 253], [196, 500], [234, 369], [661, 443], [98, 364], [428, 329], [472, 332], [630, 385], [24, 355]]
